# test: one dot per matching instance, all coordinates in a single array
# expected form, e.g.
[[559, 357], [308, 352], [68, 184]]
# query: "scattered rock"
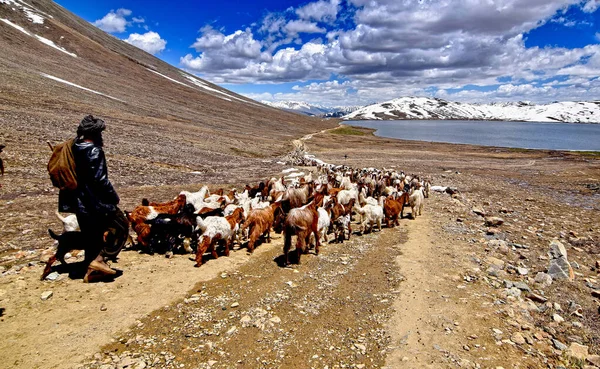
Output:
[[103, 307], [543, 278], [523, 271], [235, 304], [46, 295], [594, 360], [577, 351], [557, 318], [559, 345], [495, 262], [559, 264], [52, 276], [275, 320], [536, 298], [493, 221], [479, 211], [517, 338], [596, 293]]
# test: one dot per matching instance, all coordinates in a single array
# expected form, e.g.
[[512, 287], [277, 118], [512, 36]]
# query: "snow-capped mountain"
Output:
[[311, 109], [431, 108]]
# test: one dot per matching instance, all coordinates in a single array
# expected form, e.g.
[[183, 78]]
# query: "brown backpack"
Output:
[[61, 166]]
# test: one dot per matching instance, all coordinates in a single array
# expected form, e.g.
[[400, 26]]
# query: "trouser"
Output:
[[106, 234]]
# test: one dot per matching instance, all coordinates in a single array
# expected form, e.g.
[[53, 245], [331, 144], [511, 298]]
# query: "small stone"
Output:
[[543, 279], [46, 295], [559, 345], [235, 304], [597, 264], [495, 262], [275, 320], [103, 307], [211, 362], [246, 319], [522, 286], [523, 271], [493, 221], [231, 330], [577, 351], [557, 318], [360, 347], [517, 338], [479, 211], [557, 249], [596, 293], [594, 360], [537, 298], [52, 276], [223, 275]]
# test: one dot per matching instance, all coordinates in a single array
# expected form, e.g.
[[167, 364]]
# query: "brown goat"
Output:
[[260, 222], [217, 229], [301, 222], [142, 213], [393, 208]]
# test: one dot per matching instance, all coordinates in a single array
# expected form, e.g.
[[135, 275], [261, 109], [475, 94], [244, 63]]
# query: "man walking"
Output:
[[95, 201]]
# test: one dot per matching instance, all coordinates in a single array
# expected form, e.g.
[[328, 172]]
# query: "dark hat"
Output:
[[90, 126]]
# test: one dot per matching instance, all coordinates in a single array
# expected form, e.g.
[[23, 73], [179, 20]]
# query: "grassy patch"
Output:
[[349, 131], [593, 154], [248, 154]]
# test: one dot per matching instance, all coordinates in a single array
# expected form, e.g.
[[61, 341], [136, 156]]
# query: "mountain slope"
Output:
[[429, 108], [162, 122]]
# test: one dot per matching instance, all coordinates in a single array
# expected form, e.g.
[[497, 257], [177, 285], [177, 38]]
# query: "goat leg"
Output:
[[48, 267]]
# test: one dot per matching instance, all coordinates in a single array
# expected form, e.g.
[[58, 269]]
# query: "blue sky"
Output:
[[355, 52]]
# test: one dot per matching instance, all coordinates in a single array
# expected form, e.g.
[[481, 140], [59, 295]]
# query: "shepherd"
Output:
[[94, 200], [1, 162]]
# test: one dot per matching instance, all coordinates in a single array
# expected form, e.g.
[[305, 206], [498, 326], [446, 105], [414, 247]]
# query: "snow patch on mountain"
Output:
[[311, 109], [432, 108], [39, 38]]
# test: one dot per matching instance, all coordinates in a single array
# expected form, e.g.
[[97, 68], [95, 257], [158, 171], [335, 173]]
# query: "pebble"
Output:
[[523, 271], [517, 338], [103, 307], [557, 318], [275, 320], [493, 221], [559, 345], [52, 276], [596, 293], [46, 295], [235, 304]]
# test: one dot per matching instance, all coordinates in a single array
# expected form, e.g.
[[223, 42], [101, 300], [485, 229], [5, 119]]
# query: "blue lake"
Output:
[[526, 135]]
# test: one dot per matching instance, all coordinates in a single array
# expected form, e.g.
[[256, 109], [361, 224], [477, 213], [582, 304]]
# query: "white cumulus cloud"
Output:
[[151, 42], [319, 11], [114, 21]]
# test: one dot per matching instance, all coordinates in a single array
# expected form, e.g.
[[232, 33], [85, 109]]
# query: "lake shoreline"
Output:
[[549, 136]]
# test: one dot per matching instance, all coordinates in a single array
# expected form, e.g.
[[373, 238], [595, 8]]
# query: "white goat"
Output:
[[70, 223], [371, 215], [416, 200], [196, 198]]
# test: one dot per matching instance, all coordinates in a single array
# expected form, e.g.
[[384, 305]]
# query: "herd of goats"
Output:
[[310, 207]]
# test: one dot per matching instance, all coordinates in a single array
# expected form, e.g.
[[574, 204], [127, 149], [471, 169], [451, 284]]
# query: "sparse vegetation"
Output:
[[350, 131], [246, 153]]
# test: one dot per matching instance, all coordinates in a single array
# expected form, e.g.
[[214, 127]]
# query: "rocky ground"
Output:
[[503, 273]]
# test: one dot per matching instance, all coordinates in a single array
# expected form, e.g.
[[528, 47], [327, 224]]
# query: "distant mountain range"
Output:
[[431, 108], [310, 109]]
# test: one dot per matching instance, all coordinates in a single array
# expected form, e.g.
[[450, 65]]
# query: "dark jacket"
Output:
[[95, 194]]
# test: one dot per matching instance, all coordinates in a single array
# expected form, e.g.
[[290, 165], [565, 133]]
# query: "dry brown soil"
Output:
[[416, 296]]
